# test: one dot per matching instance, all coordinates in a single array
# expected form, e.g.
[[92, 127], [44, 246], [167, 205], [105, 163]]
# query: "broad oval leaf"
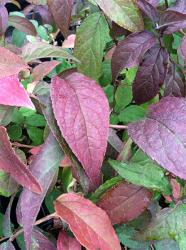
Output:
[[13, 94], [11, 164], [61, 12], [130, 51], [151, 75], [89, 223], [65, 242], [124, 202], [10, 63], [43, 167], [22, 24], [90, 42], [125, 13], [78, 104], [3, 19], [163, 132], [37, 50]]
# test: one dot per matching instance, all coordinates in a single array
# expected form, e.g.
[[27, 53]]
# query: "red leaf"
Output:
[[162, 134], [124, 202], [13, 94], [11, 164], [3, 19], [130, 51], [10, 63], [65, 242], [43, 69], [61, 11], [82, 112], [90, 224]]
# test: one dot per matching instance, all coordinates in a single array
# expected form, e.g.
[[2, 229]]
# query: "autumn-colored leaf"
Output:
[[65, 242], [124, 202], [89, 223], [11, 164], [3, 19], [13, 94], [78, 103]]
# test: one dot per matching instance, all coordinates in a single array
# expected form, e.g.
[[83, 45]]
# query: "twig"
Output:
[[19, 145], [118, 126]]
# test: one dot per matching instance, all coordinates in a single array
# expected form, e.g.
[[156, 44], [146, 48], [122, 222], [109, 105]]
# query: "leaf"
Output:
[[10, 63], [163, 132], [61, 12], [125, 13], [90, 42], [131, 114], [166, 244], [3, 19], [120, 202], [148, 9], [13, 94], [40, 241], [115, 141], [89, 224], [6, 113], [38, 2], [65, 242], [123, 95], [86, 129], [174, 84], [7, 246], [43, 69], [7, 185], [37, 50], [22, 24], [151, 75], [182, 49], [7, 230], [43, 167], [144, 173], [181, 239], [180, 7], [130, 51], [18, 171]]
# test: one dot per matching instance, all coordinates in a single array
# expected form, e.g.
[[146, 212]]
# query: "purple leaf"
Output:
[[162, 134], [130, 51], [11, 164], [182, 49], [13, 94], [7, 246], [180, 7], [150, 75], [7, 231], [78, 103], [174, 83], [148, 9], [3, 19], [65, 242], [43, 167], [40, 241], [153, 2]]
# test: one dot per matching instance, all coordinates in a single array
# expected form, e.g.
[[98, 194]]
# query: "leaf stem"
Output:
[[19, 145], [118, 126]]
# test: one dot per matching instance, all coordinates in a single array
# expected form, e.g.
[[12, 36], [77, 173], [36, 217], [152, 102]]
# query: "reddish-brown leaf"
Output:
[[124, 202], [13, 94], [43, 69], [65, 242], [89, 223], [11, 164], [10, 63], [3, 19], [61, 11], [78, 104]]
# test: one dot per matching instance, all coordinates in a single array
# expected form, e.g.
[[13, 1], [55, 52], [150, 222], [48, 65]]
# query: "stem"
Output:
[[17, 144], [118, 126]]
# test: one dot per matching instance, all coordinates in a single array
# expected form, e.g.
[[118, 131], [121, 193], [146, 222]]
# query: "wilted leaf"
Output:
[[162, 132], [37, 50], [86, 129], [90, 42], [10, 63], [43, 167], [151, 75], [22, 24], [3, 19], [43, 69], [130, 51], [11, 164], [61, 12], [124, 202], [65, 242], [148, 9], [40, 241], [125, 13], [13, 94], [90, 224]]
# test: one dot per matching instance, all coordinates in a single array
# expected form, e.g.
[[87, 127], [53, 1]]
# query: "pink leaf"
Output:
[[11, 164], [10, 63], [13, 94], [82, 112], [69, 42], [65, 242], [90, 224], [3, 19]]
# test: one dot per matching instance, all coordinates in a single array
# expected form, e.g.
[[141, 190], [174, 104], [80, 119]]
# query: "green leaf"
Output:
[[106, 77], [8, 185], [6, 114], [125, 13], [66, 178], [166, 244], [181, 239], [109, 91], [91, 39], [123, 95], [36, 135], [50, 198], [35, 120], [131, 114], [15, 132], [144, 173], [18, 38]]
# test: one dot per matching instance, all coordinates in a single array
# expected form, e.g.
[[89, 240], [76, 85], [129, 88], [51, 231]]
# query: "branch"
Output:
[[118, 126]]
